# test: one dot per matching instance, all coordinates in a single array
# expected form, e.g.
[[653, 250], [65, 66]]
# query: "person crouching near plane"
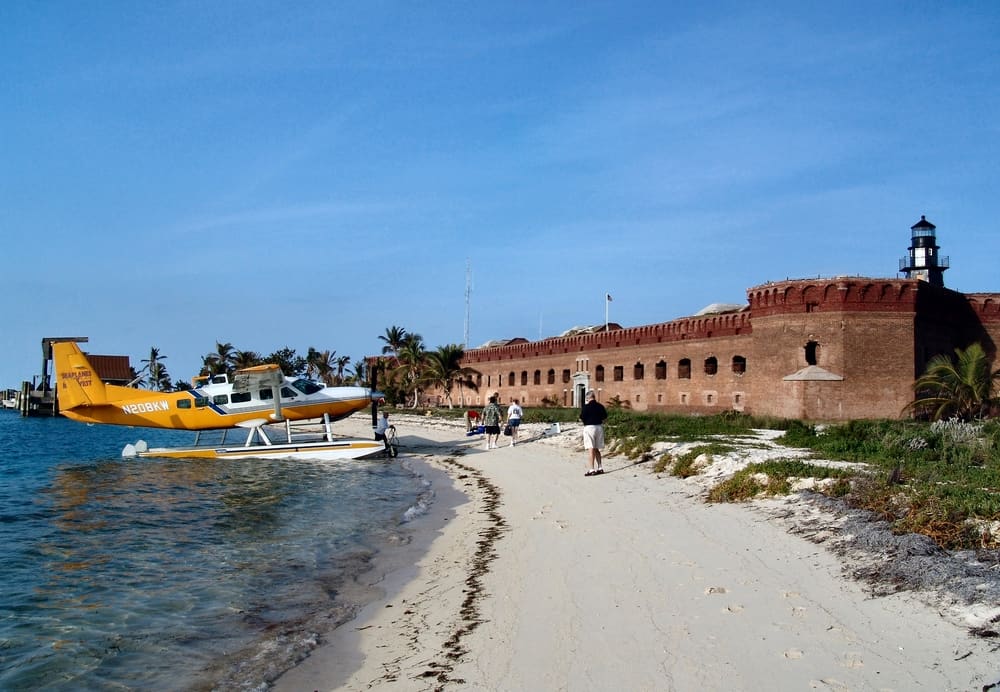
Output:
[[382, 428]]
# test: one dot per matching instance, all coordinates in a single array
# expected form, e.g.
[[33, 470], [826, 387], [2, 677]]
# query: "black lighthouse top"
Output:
[[924, 262], [923, 227]]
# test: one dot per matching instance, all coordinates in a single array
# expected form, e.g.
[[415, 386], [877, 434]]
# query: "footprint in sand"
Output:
[[715, 589], [853, 659], [735, 609], [793, 653], [542, 512], [798, 612], [829, 684]]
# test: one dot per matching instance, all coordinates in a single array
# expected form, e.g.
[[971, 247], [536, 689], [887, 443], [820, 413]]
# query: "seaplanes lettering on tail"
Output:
[[146, 407], [83, 377]]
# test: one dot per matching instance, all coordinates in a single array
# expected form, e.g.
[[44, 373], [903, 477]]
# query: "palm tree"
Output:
[[245, 359], [220, 361], [323, 364], [358, 371], [394, 338], [445, 370], [964, 388], [159, 379], [342, 363], [412, 358], [152, 366]]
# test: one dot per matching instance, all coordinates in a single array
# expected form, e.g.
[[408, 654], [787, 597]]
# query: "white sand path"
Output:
[[625, 581]]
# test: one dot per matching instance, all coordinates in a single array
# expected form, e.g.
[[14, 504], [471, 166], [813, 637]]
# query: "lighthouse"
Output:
[[924, 263]]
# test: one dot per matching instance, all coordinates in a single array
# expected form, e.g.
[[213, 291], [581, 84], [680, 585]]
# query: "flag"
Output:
[[609, 297]]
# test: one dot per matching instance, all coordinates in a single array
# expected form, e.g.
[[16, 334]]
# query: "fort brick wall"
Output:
[[818, 349]]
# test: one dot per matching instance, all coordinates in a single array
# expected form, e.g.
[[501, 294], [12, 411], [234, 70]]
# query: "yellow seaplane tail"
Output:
[[82, 396], [76, 380]]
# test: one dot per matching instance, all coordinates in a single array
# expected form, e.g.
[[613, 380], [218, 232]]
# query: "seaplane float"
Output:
[[281, 417]]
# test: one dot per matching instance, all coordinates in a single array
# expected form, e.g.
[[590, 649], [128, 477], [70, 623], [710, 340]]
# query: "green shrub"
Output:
[[746, 483]]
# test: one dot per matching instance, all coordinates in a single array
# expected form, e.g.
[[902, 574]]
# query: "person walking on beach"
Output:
[[593, 415], [514, 414], [492, 415]]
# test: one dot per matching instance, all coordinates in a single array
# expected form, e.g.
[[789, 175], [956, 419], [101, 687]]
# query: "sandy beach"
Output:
[[525, 575]]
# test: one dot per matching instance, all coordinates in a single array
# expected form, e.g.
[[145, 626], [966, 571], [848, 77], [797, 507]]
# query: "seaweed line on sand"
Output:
[[469, 614]]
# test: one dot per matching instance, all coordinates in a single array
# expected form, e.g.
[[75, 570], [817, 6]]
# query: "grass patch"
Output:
[[633, 434], [684, 465], [941, 480], [774, 478]]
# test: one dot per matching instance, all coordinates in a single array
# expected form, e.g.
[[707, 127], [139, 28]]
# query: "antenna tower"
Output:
[[468, 299]]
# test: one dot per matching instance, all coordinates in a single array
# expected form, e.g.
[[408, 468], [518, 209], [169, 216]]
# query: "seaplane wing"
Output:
[[257, 377], [259, 393]]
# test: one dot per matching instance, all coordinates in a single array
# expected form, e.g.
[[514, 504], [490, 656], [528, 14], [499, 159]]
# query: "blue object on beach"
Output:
[[478, 430]]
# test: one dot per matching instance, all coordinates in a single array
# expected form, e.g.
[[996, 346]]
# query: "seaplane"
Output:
[[256, 401]]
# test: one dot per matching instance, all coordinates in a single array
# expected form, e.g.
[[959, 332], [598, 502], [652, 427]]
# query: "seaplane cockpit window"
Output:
[[220, 399], [219, 379], [183, 403], [240, 397], [307, 386], [265, 394], [200, 401], [287, 393]]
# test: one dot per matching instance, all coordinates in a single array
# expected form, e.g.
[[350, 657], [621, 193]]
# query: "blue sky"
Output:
[[308, 174]]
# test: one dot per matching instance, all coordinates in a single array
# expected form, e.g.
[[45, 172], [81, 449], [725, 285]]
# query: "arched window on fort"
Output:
[[812, 353], [524, 378], [538, 377], [619, 373], [711, 365], [599, 373], [739, 365], [565, 375], [638, 371], [510, 379], [552, 376], [661, 370], [684, 369]]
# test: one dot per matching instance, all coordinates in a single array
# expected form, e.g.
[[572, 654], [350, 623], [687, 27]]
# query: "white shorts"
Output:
[[593, 437]]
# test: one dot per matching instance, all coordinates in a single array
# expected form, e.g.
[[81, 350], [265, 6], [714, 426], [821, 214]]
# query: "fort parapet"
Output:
[[816, 349]]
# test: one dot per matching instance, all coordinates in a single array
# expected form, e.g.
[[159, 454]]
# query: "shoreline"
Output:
[[438, 569], [626, 581]]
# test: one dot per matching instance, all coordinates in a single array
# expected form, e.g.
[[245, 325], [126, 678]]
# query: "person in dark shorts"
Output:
[[492, 415], [514, 415], [382, 428]]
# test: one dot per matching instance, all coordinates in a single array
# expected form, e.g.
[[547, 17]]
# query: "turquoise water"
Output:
[[174, 574]]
